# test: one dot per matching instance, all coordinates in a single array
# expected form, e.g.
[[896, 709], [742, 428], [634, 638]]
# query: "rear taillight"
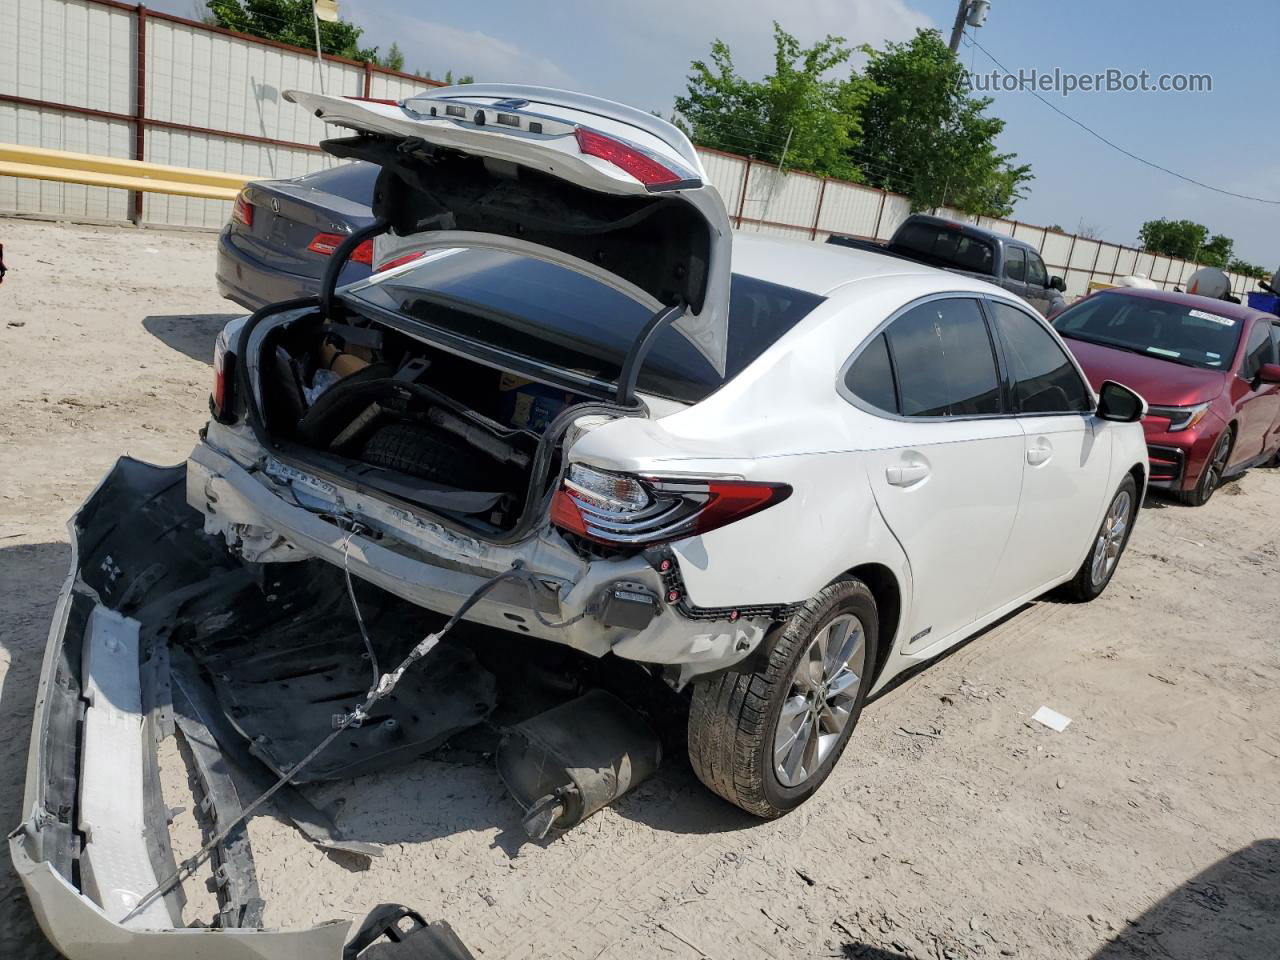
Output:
[[626, 157], [398, 261], [326, 243], [224, 375], [242, 210], [623, 510]]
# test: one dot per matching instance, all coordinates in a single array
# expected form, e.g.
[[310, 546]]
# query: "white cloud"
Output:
[[438, 47]]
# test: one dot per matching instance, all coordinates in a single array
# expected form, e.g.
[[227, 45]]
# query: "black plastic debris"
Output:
[[565, 764], [393, 932]]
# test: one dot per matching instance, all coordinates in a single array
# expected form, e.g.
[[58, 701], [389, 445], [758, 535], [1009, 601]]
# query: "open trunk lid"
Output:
[[604, 185]]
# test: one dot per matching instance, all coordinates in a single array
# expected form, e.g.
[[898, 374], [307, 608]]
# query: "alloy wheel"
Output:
[[1106, 551], [820, 700], [1217, 466]]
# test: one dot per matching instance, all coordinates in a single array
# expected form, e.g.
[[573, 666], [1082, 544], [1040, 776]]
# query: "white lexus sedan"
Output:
[[779, 473]]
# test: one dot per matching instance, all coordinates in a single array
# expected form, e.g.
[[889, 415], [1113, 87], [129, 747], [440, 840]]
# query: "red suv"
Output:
[[1209, 369]]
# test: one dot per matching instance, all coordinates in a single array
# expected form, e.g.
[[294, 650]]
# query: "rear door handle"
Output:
[[1041, 451], [905, 476]]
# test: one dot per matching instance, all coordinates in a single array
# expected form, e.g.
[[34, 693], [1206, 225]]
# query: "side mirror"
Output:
[[1057, 283], [1269, 373], [1117, 402]]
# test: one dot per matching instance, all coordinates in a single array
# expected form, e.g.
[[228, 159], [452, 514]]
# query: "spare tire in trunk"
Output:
[[436, 455]]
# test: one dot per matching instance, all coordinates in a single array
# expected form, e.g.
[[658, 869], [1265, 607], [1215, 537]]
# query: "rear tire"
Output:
[[1095, 573], [1211, 478], [734, 718]]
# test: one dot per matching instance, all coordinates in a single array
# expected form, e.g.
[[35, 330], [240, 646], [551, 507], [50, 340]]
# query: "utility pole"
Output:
[[973, 12]]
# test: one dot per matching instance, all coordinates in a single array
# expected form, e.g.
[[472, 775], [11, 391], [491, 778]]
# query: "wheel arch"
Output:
[[884, 586]]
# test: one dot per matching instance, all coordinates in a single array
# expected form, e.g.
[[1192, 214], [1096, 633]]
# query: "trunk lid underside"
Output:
[[468, 159]]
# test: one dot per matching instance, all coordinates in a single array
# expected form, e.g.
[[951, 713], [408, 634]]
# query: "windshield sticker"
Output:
[[1213, 318], [1164, 353]]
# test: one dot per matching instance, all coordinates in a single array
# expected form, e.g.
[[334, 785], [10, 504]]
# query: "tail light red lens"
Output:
[[326, 243], [629, 511], [627, 158], [242, 211], [224, 372]]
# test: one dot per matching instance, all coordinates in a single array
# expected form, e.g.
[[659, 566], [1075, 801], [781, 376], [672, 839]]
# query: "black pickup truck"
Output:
[[964, 248]]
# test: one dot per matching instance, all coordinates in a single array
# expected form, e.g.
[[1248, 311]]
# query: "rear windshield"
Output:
[[556, 316], [1195, 337], [351, 181], [946, 247]]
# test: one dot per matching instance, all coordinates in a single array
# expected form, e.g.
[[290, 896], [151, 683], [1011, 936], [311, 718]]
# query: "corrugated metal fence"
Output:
[[97, 76]]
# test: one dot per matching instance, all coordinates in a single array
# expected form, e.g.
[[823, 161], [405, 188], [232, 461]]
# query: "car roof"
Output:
[[819, 267], [1223, 308], [822, 268]]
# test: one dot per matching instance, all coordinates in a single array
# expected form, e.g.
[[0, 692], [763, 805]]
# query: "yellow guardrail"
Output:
[[93, 170]]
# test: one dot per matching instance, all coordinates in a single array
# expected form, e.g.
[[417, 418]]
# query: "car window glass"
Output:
[[1187, 335], [1015, 263], [943, 360], [946, 247], [557, 316], [1258, 350], [1044, 379], [870, 377], [1035, 270]]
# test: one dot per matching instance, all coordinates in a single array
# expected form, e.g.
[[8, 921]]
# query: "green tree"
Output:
[[1216, 251], [394, 60], [1173, 238], [291, 21], [797, 116], [925, 136], [1236, 265]]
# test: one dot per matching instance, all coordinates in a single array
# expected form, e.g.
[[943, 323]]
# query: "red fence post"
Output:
[[742, 196], [817, 211], [368, 79], [140, 102], [875, 231]]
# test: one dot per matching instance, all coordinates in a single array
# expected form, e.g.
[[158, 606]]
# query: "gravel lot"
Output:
[[954, 827]]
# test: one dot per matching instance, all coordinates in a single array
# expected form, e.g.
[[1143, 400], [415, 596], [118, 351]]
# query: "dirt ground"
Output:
[[955, 827]]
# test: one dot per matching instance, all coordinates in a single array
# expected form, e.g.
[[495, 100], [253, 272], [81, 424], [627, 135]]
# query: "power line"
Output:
[[1116, 146]]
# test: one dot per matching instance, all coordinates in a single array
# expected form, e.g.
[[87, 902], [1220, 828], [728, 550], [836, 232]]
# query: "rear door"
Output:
[[948, 471], [1066, 454]]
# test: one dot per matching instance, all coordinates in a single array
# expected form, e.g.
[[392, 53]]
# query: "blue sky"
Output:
[[639, 53]]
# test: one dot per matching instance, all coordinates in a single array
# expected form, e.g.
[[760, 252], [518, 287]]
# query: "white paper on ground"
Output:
[[1051, 719]]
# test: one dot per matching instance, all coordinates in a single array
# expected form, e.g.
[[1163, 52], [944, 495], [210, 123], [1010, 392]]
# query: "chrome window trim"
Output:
[[982, 298]]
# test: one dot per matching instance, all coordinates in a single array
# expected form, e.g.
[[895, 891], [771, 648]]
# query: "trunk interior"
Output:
[[413, 421]]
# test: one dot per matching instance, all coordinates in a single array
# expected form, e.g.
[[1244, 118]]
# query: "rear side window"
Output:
[[555, 316], [943, 358], [870, 377], [1015, 263], [1044, 379], [947, 247]]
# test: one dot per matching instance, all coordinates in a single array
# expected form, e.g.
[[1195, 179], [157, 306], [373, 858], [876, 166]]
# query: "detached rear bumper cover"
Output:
[[82, 850]]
